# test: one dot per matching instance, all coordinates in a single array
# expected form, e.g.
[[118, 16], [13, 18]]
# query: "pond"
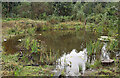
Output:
[[64, 41], [60, 42]]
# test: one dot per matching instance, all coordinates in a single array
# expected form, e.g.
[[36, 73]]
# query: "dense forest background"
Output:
[[104, 15], [75, 10]]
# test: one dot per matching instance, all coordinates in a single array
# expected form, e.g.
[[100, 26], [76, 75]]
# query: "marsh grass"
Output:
[[31, 31], [49, 57], [36, 52], [117, 65], [17, 71], [34, 46], [88, 65], [99, 29], [113, 45], [13, 67], [27, 43], [93, 47]]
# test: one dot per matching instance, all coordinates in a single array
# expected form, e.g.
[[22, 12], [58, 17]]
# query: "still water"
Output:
[[66, 41], [62, 41]]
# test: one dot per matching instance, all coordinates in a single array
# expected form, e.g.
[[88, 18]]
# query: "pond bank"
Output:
[[12, 67]]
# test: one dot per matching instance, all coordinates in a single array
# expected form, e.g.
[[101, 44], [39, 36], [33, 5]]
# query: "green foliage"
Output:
[[31, 31], [44, 28], [34, 46], [62, 8], [11, 19], [98, 9], [80, 68], [99, 29], [93, 48], [78, 12], [77, 27], [27, 43], [103, 15], [113, 45], [17, 71], [63, 73], [87, 65], [11, 31], [96, 64]]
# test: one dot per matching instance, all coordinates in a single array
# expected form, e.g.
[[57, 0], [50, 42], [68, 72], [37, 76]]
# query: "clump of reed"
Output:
[[113, 45], [93, 47], [37, 53]]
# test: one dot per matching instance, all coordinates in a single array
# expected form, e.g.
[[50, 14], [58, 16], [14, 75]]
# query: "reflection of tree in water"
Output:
[[66, 41]]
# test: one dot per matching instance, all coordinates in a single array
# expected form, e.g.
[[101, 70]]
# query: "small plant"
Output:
[[80, 68], [99, 29], [87, 65], [34, 46], [11, 31], [96, 64], [113, 45], [17, 71], [93, 48], [77, 27], [27, 43], [48, 57], [31, 31], [117, 65], [63, 73], [90, 48], [44, 28]]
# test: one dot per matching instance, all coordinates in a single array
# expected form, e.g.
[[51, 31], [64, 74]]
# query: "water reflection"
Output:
[[65, 41], [10, 45], [57, 41]]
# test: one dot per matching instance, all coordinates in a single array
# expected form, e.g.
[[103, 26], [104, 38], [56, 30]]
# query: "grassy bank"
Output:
[[11, 66]]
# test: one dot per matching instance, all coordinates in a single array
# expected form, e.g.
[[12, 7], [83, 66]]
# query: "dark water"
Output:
[[10, 46], [66, 41], [62, 41]]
